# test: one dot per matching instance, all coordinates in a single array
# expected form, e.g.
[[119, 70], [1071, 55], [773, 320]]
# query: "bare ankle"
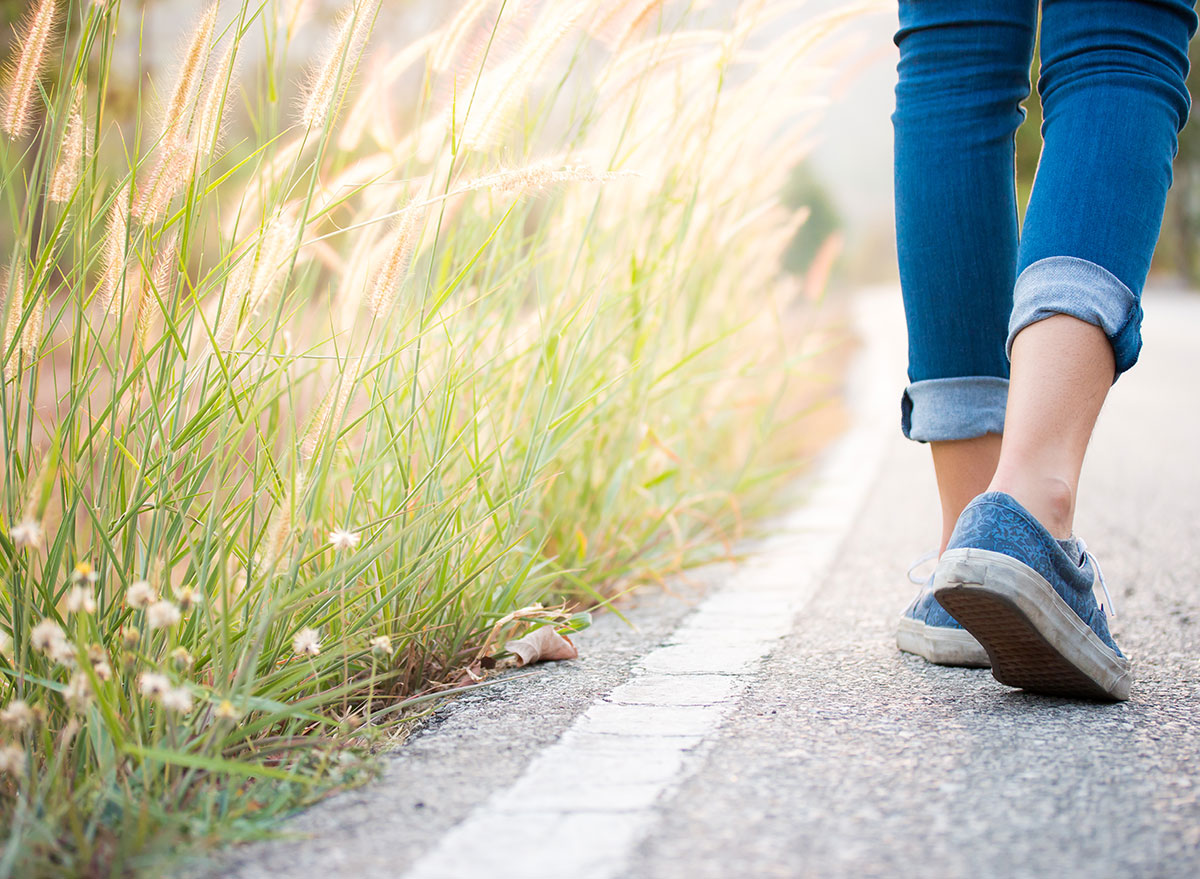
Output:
[[1051, 499]]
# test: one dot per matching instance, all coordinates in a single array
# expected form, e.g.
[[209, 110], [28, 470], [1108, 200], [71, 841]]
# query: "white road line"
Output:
[[583, 803]]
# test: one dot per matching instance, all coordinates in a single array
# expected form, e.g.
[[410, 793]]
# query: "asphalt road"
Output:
[[830, 754]]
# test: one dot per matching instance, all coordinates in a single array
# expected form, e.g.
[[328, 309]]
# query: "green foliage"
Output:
[[302, 416]]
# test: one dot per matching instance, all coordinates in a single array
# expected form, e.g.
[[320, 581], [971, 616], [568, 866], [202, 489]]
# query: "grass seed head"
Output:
[[114, 255], [22, 79], [188, 76], [395, 267], [329, 79], [15, 283], [73, 153]]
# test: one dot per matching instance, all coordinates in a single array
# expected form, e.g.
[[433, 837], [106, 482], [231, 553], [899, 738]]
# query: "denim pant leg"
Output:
[[1114, 100], [963, 72]]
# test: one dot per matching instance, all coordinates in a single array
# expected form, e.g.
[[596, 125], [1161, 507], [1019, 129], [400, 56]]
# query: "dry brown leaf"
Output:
[[542, 645]]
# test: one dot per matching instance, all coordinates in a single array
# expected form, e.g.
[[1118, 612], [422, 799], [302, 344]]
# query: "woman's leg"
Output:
[[1114, 99], [963, 71]]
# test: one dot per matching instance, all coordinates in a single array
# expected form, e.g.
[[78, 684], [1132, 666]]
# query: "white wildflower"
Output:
[[103, 670], [306, 642], [46, 635], [26, 534], [152, 684], [382, 645], [17, 716], [140, 594], [84, 572], [12, 760], [178, 699], [341, 539], [187, 596], [81, 599], [226, 711], [78, 692], [162, 615], [62, 652], [182, 658]]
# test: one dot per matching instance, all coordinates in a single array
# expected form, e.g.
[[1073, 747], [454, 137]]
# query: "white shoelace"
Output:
[[924, 557], [1112, 611]]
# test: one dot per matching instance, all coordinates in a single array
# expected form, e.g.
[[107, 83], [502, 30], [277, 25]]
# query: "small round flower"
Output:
[[140, 594], [27, 534], [342, 540], [306, 642], [130, 636], [12, 760], [81, 599], [152, 684], [162, 615], [46, 635], [84, 573], [63, 652], [182, 658], [103, 671], [187, 596], [78, 692], [177, 699], [17, 716], [382, 645], [226, 711]]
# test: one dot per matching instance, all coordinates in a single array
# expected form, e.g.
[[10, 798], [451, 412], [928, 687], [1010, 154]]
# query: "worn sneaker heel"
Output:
[[1035, 640]]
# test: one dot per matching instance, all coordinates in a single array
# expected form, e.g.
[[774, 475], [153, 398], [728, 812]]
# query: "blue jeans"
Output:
[[1114, 100]]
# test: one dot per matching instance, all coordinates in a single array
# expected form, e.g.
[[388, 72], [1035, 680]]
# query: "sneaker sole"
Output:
[[940, 645], [1035, 640]]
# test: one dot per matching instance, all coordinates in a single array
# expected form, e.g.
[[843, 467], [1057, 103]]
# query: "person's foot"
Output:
[[1029, 600], [928, 631]]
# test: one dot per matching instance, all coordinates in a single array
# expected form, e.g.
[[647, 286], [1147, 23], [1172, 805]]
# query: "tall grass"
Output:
[[314, 378]]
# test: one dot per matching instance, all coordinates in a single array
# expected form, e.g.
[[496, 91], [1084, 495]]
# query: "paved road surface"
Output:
[[769, 728]]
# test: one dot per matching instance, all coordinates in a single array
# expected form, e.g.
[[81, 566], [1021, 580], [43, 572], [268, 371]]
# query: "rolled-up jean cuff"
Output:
[[953, 408], [1084, 290]]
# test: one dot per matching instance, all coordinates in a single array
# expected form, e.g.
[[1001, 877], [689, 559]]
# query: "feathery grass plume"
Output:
[[455, 32], [114, 256], [189, 73], [22, 79], [237, 290], [166, 258], [16, 310], [330, 412], [275, 249], [171, 173], [538, 176], [321, 89], [73, 153], [399, 250], [31, 337], [501, 91], [282, 527], [209, 124], [621, 20]]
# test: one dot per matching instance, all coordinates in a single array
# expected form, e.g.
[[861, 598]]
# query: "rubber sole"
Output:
[[940, 645], [1034, 639]]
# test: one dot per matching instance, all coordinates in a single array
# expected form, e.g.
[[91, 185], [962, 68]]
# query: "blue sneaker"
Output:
[[1030, 601], [928, 631]]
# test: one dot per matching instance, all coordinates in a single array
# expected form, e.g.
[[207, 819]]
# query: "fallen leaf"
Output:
[[542, 645]]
